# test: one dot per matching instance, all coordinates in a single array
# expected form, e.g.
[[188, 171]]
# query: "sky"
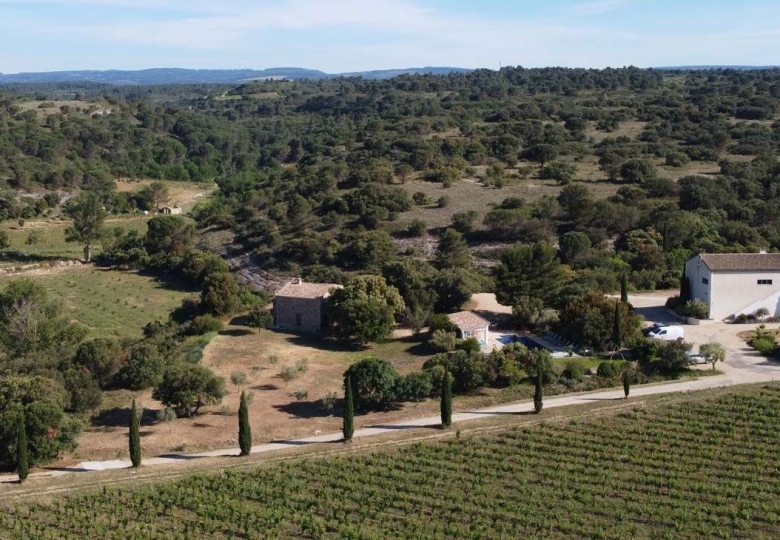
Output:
[[356, 35]]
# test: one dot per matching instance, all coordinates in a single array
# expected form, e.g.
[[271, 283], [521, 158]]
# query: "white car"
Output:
[[696, 359], [667, 333]]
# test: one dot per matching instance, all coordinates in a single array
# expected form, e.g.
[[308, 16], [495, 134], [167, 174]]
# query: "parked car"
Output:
[[696, 359], [653, 327], [667, 333]]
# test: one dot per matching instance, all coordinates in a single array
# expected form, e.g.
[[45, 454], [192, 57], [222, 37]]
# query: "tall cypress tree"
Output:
[[538, 392], [22, 462], [626, 381], [135, 437], [617, 327], [244, 429], [349, 411], [624, 288], [446, 401], [685, 288]]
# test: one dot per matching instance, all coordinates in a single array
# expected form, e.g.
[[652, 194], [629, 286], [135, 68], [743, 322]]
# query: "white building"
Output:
[[471, 325], [735, 283]]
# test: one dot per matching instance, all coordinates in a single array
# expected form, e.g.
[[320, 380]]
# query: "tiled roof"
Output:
[[301, 289], [467, 320], [742, 261]]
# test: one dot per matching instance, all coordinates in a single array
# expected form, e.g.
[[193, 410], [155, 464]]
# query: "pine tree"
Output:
[[135, 437], [446, 401], [22, 462], [617, 327], [626, 381], [624, 288], [349, 411], [244, 429], [538, 392]]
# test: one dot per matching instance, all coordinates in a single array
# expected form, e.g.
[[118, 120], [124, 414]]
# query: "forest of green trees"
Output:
[[314, 180]]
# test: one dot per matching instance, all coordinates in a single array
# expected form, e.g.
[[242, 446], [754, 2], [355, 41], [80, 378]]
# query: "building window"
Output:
[[298, 319], [705, 281], [764, 281]]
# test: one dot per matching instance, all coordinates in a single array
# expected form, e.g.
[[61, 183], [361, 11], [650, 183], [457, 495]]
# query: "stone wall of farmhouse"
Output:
[[301, 314]]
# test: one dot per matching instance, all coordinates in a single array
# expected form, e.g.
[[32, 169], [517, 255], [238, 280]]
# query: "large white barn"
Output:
[[735, 283]]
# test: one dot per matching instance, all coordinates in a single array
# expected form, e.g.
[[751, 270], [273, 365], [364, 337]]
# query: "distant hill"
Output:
[[704, 68], [201, 76]]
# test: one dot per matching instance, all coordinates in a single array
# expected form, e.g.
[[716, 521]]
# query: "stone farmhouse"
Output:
[[301, 306], [470, 325], [735, 283]]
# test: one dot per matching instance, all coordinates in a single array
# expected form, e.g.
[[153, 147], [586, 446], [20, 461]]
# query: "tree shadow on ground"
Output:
[[30, 258], [235, 332], [120, 417], [324, 343], [306, 409], [265, 387]]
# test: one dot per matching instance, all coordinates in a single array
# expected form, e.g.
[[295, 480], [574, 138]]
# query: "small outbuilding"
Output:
[[301, 306], [171, 210], [470, 325], [732, 284]]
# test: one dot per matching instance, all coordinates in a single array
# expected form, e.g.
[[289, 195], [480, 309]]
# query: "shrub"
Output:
[[443, 201], [144, 367], [238, 378], [610, 369], [574, 370], [374, 383], [204, 324], [468, 372], [421, 199], [443, 341], [301, 394], [415, 387], [302, 365], [697, 309], [677, 159], [766, 345], [417, 228], [288, 373], [469, 346]]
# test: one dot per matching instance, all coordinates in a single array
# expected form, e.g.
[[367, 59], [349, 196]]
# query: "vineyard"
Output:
[[704, 467]]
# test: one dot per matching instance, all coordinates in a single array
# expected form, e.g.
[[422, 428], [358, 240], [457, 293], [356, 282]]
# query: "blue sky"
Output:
[[351, 35]]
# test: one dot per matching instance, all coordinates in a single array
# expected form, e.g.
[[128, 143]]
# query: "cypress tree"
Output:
[[446, 401], [135, 437], [538, 393], [617, 327], [626, 381], [685, 288], [22, 462], [624, 288], [349, 411], [244, 429]]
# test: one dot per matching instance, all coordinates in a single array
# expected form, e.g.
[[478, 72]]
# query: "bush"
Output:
[[677, 159], [469, 346], [766, 345], [468, 372], [415, 387], [574, 370], [374, 383], [610, 369], [417, 228], [442, 341], [421, 199], [204, 324], [443, 201], [697, 309]]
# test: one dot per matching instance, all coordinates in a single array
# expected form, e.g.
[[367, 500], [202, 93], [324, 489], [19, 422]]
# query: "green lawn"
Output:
[[111, 303]]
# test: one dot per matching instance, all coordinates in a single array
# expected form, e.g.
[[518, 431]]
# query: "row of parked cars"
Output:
[[672, 332]]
